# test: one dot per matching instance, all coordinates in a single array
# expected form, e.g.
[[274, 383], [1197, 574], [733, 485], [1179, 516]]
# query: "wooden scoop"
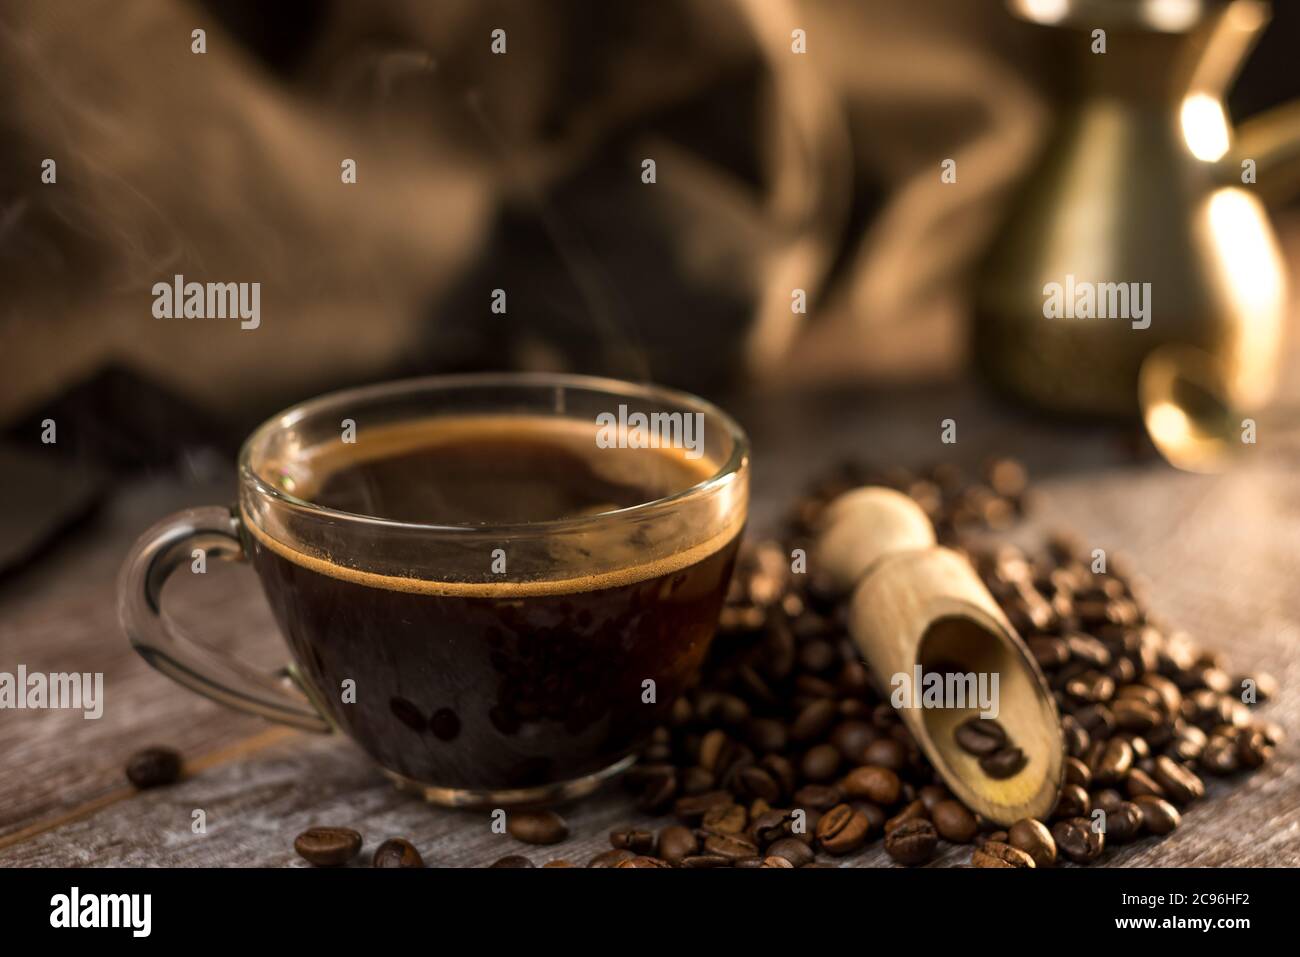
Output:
[[916, 603]]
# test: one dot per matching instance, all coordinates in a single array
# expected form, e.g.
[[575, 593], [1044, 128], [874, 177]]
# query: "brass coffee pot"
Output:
[[1142, 182]]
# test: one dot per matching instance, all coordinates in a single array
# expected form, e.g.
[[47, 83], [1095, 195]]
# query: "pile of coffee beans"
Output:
[[784, 755]]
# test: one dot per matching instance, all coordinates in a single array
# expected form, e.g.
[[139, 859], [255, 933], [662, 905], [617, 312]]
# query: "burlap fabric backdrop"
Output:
[[775, 171]]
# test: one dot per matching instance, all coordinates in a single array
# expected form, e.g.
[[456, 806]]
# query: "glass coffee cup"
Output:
[[495, 585]]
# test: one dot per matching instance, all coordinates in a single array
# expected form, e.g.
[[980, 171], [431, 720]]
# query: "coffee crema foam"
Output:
[[637, 476]]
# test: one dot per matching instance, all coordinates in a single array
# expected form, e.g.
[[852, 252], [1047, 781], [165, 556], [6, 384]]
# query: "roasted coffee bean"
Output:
[[1133, 714], [1077, 840], [820, 763], [396, 852], [639, 774], [767, 734], [1107, 799], [852, 738], [1087, 650], [904, 737], [809, 687], [731, 846], [1076, 772], [876, 784], [657, 752], [1139, 693], [783, 774], [980, 736], [516, 860], [876, 815], [712, 746], [885, 753], [814, 720], [1158, 815], [796, 852], [1000, 854], [1006, 477], [1091, 686], [1049, 652], [816, 656], [1077, 739], [697, 780], [953, 822], [1256, 688], [537, 827], [657, 791], [1114, 761], [779, 862], [705, 860], [1003, 763], [820, 797], [1072, 801], [632, 839], [912, 842], [746, 863], [1180, 785], [1097, 719], [725, 819], [1033, 838], [662, 737], [692, 809], [1141, 749], [643, 862], [677, 842], [611, 858], [1122, 671], [1157, 737], [1188, 743], [733, 761], [153, 767], [1139, 782], [1124, 823], [933, 794], [1216, 679], [771, 826], [853, 680], [558, 862], [914, 811], [721, 707], [328, 846], [1170, 695], [1220, 755], [842, 830], [1252, 748]]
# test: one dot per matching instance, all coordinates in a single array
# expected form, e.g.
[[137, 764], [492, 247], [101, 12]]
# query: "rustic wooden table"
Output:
[[1222, 555]]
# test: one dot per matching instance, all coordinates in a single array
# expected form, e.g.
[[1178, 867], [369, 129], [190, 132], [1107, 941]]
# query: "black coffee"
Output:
[[513, 683], [499, 470]]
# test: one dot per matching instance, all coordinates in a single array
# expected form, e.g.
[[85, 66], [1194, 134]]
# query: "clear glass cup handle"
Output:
[[166, 547]]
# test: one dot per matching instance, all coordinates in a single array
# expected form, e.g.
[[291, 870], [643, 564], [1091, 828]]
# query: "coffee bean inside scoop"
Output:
[[987, 740]]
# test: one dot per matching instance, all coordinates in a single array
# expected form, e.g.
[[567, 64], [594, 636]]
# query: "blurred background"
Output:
[[798, 146]]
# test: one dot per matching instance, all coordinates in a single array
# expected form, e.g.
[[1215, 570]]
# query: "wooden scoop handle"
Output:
[[917, 605]]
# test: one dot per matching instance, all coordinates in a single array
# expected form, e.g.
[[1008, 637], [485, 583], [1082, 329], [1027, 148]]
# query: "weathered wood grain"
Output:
[[1221, 555], [63, 617]]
